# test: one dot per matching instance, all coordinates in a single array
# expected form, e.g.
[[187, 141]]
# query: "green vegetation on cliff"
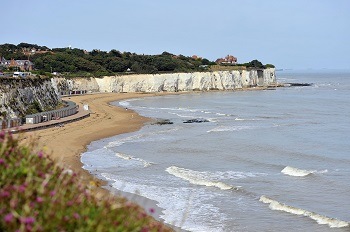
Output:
[[78, 62]]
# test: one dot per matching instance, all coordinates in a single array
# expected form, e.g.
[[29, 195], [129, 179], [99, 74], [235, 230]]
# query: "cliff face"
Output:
[[173, 82], [19, 95]]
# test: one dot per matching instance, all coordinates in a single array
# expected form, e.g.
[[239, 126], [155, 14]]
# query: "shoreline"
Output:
[[105, 121], [66, 144]]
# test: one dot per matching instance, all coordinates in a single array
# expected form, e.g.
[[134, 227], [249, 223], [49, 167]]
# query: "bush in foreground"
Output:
[[38, 195]]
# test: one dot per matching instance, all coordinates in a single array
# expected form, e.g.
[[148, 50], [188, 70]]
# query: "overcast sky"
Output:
[[288, 33]]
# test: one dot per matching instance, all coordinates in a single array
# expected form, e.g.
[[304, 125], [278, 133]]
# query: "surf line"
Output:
[[320, 219], [198, 180], [300, 172]]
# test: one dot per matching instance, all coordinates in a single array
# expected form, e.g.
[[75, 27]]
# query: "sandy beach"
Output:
[[65, 144]]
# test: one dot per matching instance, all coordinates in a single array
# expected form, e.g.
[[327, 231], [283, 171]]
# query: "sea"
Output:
[[265, 160]]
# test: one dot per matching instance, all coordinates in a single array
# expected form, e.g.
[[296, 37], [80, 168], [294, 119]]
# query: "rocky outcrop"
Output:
[[172, 82], [17, 96]]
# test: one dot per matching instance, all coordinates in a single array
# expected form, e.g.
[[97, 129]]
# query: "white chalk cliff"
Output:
[[18, 95], [172, 82]]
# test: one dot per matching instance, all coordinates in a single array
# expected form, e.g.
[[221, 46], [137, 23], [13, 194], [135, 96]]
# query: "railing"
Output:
[[70, 109]]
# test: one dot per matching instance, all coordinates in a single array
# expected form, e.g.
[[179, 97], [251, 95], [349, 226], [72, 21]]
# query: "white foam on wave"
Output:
[[247, 119], [296, 172], [124, 103], [212, 119], [182, 206], [320, 219], [127, 157], [135, 137], [182, 116], [300, 172], [198, 178], [230, 128], [123, 140], [123, 156]]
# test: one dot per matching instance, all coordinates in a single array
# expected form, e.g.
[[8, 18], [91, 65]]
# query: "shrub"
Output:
[[36, 194], [269, 66]]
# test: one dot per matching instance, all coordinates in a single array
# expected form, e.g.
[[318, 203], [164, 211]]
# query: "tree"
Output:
[[205, 61], [269, 66], [115, 53], [255, 64], [167, 54]]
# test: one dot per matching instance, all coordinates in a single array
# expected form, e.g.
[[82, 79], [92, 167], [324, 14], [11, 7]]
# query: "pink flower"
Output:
[[32, 204], [2, 161], [8, 218], [40, 154], [28, 220], [2, 134], [39, 199], [76, 215], [4, 194], [70, 203], [13, 203], [21, 188], [151, 210], [52, 193]]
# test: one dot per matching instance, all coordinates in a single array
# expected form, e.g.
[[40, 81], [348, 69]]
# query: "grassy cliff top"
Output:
[[79, 62]]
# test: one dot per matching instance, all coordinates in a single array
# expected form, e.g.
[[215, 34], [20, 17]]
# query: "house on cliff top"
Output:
[[228, 60], [22, 65]]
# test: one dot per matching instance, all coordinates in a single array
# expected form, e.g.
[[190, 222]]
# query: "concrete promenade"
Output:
[[81, 114]]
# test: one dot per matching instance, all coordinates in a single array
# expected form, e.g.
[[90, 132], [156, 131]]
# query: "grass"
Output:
[[36, 194]]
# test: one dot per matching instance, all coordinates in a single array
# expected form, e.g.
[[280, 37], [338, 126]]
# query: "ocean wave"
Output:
[[124, 103], [124, 140], [300, 172], [320, 219], [182, 116], [246, 119], [230, 128], [296, 172], [127, 157], [212, 119], [136, 137], [198, 178], [177, 203]]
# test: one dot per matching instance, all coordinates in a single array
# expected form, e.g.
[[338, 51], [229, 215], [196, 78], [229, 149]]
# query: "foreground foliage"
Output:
[[38, 195]]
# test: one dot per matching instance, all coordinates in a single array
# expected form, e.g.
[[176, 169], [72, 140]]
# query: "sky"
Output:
[[296, 34]]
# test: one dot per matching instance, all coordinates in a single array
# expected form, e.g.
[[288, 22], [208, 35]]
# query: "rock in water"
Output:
[[196, 120]]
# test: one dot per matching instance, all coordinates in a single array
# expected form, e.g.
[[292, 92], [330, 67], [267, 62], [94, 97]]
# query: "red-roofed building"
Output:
[[229, 59]]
